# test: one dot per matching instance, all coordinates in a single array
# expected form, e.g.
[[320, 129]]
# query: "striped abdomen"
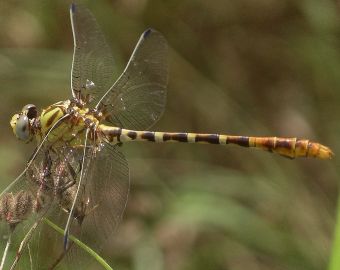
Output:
[[288, 147]]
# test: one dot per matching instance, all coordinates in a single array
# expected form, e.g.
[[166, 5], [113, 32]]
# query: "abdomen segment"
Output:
[[288, 147]]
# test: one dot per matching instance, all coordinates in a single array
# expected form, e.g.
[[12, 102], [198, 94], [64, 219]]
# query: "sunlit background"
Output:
[[239, 67]]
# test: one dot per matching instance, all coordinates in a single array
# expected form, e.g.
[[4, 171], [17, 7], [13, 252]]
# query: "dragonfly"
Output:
[[77, 175]]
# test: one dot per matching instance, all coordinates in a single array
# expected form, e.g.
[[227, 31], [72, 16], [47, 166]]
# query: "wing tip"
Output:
[[73, 8], [147, 32]]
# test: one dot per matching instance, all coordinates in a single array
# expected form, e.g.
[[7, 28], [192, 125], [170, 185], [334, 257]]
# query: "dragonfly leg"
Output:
[[67, 185]]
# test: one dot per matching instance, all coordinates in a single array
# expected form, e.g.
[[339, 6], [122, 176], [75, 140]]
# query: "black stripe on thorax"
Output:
[[52, 118], [210, 138], [48, 109]]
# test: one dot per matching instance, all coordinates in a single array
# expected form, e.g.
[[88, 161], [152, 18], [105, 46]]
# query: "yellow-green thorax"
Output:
[[71, 129]]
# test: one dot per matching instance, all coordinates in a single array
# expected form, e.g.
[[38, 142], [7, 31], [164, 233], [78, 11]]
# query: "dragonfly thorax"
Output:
[[63, 121]]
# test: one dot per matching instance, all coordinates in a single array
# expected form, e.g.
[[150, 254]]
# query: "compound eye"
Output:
[[22, 130], [31, 111]]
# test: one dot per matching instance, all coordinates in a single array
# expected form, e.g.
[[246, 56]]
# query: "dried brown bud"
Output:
[[15, 208]]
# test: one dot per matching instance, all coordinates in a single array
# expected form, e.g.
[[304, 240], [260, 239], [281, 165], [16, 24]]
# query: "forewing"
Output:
[[137, 99], [92, 65]]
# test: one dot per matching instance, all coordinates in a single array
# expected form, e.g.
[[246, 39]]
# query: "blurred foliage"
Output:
[[247, 67]]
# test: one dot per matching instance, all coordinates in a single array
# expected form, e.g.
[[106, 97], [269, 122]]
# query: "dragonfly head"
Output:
[[22, 123]]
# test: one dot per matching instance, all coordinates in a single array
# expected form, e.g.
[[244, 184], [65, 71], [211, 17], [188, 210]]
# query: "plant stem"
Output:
[[80, 244]]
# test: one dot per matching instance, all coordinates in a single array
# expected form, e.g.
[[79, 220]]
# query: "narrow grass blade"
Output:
[[80, 244]]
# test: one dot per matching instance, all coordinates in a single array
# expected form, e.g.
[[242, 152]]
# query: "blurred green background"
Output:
[[240, 67]]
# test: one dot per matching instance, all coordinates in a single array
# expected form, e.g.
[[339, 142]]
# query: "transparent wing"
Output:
[[92, 65], [137, 99], [99, 207], [25, 204], [46, 190], [48, 248], [106, 191]]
